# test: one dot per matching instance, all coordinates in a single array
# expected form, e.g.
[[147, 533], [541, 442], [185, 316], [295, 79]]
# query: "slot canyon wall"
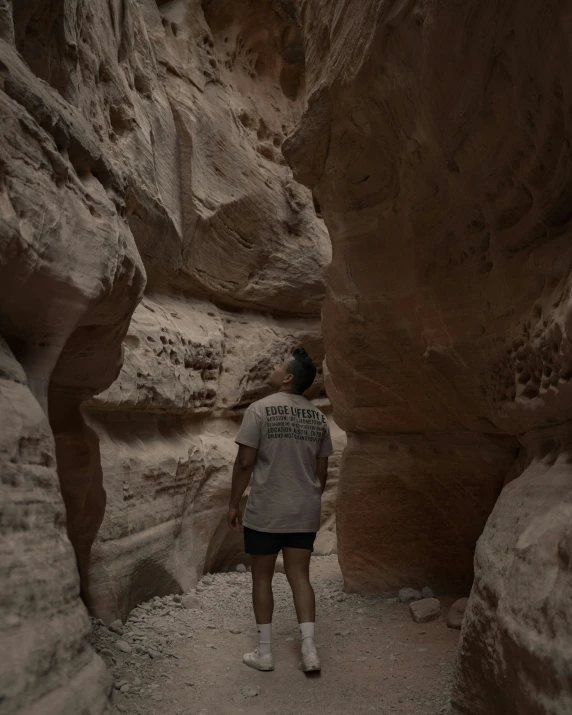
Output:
[[157, 260], [436, 141]]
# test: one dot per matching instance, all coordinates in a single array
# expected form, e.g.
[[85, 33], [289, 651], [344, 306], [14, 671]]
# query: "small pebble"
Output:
[[191, 602], [408, 595], [249, 692], [116, 627]]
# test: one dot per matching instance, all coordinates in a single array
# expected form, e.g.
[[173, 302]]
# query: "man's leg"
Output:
[[297, 567], [262, 597], [263, 602]]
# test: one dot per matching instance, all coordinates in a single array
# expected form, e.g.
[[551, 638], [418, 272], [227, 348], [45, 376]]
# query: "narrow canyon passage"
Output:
[[189, 191], [375, 658]]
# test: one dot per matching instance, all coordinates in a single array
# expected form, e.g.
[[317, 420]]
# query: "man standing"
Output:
[[284, 443]]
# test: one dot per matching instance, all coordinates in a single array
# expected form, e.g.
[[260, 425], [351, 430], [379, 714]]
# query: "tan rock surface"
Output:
[[70, 277], [167, 481], [436, 144], [411, 508], [457, 613], [142, 140], [42, 620], [444, 277], [240, 240], [517, 628], [426, 610]]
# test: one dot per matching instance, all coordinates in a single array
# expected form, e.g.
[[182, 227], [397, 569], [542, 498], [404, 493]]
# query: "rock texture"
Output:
[[42, 620], [167, 481], [70, 277], [457, 613], [426, 610], [411, 508], [140, 146], [436, 144], [517, 628], [235, 283]]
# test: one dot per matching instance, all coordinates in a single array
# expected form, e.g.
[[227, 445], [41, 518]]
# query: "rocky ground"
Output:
[[169, 659]]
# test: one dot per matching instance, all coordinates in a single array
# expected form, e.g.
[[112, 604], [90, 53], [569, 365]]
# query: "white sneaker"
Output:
[[257, 661], [310, 663]]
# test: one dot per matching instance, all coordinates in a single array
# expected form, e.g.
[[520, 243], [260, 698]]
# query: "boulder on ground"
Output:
[[428, 609], [457, 613], [326, 543], [408, 595]]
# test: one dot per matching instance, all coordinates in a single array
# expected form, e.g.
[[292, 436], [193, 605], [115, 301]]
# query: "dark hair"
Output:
[[302, 368]]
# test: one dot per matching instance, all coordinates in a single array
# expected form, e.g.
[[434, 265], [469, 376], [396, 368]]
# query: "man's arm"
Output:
[[322, 471], [243, 466]]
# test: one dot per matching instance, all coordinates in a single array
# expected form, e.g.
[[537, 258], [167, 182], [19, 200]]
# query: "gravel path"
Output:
[[375, 659]]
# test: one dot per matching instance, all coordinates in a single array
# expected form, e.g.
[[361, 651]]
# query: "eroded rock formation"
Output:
[[42, 619], [436, 144], [166, 432], [141, 146]]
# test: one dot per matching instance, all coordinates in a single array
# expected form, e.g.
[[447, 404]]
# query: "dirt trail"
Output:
[[375, 659]]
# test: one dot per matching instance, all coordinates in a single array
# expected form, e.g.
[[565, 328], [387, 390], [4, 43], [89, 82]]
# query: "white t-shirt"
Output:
[[290, 433]]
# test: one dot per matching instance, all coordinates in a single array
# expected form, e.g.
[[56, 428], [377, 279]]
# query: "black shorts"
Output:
[[264, 543]]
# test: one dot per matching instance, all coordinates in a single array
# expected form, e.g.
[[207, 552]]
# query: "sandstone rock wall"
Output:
[[42, 619], [436, 144], [70, 277], [517, 632], [140, 146], [166, 432], [233, 285]]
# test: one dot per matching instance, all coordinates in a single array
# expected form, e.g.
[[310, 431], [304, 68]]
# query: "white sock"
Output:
[[264, 638], [307, 632]]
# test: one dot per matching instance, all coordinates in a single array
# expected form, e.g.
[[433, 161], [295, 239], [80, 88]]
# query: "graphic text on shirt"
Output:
[[284, 422]]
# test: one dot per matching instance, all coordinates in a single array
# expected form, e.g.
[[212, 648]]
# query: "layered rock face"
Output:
[[70, 277], [166, 435], [141, 146], [234, 283], [515, 650], [42, 619], [435, 142]]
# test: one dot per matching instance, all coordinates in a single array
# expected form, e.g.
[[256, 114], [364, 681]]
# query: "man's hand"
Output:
[[243, 466], [322, 471], [234, 518]]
